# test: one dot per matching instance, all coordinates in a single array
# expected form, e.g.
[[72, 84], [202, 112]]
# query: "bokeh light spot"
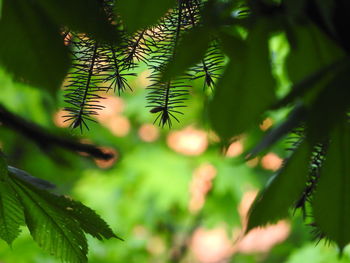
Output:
[[189, 141]]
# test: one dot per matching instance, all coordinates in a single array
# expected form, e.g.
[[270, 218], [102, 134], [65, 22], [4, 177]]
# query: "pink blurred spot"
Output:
[[119, 126], [112, 106], [210, 246], [200, 185], [59, 120], [259, 239], [148, 133], [271, 161], [266, 124], [235, 149], [188, 141], [263, 239], [105, 164]]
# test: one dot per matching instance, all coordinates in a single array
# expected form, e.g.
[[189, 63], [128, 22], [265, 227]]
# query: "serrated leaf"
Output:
[[88, 220], [246, 89], [331, 203], [54, 231], [190, 50], [32, 48], [282, 190], [11, 211], [85, 16], [139, 14]]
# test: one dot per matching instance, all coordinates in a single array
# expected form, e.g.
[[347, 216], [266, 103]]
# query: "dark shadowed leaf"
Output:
[[86, 16], [247, 88], [310, 51], [329, 106], [309, 82], [276, 133], [282, 190], [331, 204], [31, 47], [139, 14], [190, 51]]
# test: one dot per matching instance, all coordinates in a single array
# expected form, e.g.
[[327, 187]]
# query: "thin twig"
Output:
[[46, 140]]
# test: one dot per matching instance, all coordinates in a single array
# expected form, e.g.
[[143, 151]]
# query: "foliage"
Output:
[[93, 47]]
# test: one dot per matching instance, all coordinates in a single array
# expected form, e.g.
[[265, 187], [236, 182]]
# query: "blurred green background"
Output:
[[173, 195]]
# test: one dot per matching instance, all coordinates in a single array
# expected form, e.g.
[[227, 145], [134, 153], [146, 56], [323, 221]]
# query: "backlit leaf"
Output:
[[31, 47], [282, 190], [190, 50], [247, 88], [86, 16], [331, 204], [11, 211], [54, 231], [139, 14]]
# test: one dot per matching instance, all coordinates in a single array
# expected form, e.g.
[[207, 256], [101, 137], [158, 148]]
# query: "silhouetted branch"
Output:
[[46, 140]]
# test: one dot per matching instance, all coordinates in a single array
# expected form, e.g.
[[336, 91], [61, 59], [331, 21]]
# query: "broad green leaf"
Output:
[[306, 84], [282, 191], [0, 8], [11, 211], [89, 221], [32, 48], [331, 203], [309, 44], [86, 16], [190, 50], [246, 89], [139, 14], [329, 106], [326, 10], [54, 231]]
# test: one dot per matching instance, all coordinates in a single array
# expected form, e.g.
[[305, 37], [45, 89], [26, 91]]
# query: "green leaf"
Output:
[[54, 231], [0, 8], [139, 14], [329, 106], [86, 16], [331, 203], [11, 211], [282, 191], [309, 44], [190, 51], [295, 117], [247, 88], [32, 48], [88, 220]]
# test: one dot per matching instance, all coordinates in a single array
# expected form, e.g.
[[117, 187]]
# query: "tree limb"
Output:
[[46, 140]]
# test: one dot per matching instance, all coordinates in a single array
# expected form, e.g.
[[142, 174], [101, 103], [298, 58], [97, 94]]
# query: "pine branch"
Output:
[[83, 86]]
